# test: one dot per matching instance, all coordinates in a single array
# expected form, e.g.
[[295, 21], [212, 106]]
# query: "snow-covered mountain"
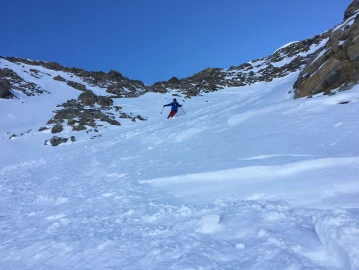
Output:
[[246, 177]]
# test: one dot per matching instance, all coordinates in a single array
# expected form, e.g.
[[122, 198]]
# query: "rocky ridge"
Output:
[[326, 61], [113, 81], [285, 60], [337, 65]]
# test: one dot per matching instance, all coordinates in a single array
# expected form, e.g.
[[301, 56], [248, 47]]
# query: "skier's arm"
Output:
[[167, 105]]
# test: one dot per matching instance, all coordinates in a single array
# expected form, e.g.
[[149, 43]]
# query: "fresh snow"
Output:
[[246, 178]]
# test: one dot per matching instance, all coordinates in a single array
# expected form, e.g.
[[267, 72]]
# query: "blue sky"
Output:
[[153, 40]]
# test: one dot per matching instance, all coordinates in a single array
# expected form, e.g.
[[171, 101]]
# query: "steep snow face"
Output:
[[244, 178]]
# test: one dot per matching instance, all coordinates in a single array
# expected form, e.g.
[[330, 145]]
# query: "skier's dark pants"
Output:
[[172, 113]]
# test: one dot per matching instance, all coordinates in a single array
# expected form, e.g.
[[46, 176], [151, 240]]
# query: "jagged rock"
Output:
[[78, 128], [57, 128], [59, 78], [4, 88], [73, 138], [55, 141], [111, 121], [76, 85], [54, 121], [87, 98], [354, 6], [115, 75], [139, 117], [113, 80], [104, 101], [43, 128], [68, 113], [18, 83], [338, 66]]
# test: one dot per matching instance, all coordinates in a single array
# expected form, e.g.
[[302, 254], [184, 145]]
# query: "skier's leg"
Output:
[[172, 113]]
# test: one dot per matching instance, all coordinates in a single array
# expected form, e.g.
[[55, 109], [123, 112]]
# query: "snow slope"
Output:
[[247, 178]]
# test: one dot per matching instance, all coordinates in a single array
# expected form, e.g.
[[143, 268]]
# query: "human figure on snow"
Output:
[[174, 108]]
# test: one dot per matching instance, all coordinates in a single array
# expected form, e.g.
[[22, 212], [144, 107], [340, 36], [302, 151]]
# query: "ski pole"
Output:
[[162, 110], [183, 110]]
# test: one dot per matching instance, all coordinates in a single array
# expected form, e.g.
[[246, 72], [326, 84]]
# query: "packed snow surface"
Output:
[[246, 178]]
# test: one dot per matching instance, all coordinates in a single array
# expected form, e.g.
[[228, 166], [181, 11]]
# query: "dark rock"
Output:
[[43, 128], [59, 78], [4, 88], [353, 7], [111, 121], [57, 128], [104, 101], [73, 138], [55, 121], [338, 67], [55, 141], [76, 85], [78, 128], [68, 113], [87, 98]]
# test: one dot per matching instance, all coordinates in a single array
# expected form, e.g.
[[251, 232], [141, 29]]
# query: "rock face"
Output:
[[351, 10], [4, 88], [337, 66]]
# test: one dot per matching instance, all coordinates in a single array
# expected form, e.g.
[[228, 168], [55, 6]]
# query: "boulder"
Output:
[[87, 98], [68, 113], [4, 88], [57, 128], [55, 141], [59, 78]]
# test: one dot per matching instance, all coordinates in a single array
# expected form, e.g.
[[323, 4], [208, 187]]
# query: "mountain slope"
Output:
[[242, 178], [251, 180]]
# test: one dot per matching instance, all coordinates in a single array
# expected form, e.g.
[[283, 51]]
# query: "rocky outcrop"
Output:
[[113, 81], [337, 65], [82, 114], [352, 9], [87, 98], [57, 128], [59, 78], [18, 83], [78, 86], [4, 88]]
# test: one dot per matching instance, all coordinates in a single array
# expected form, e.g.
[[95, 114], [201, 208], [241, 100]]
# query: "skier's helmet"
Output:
[[174, 99]]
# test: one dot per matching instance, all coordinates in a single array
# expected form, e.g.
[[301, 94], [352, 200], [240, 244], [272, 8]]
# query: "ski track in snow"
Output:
[[247, 179]]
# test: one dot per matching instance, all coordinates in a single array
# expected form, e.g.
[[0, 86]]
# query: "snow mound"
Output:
[[339, 231]]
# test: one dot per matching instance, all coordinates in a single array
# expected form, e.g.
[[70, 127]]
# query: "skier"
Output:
[[174, 108]]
